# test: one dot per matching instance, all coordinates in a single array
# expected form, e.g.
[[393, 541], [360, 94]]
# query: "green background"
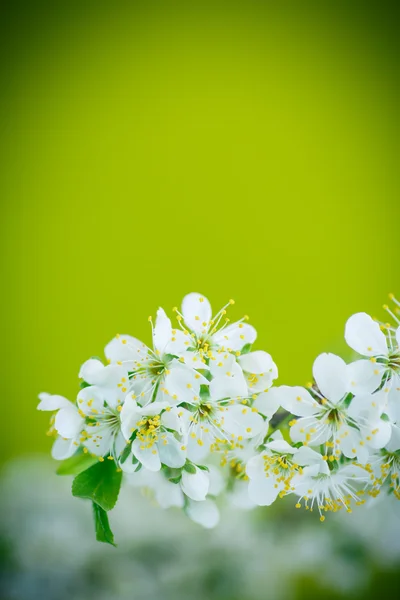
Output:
[[148, 150]]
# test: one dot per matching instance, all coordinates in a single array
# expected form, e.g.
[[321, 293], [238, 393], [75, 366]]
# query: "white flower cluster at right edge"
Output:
[[196, 416], [345, 431]]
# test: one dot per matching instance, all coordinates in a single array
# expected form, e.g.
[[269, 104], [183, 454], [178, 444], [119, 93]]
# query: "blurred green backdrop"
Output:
[[152, 149]]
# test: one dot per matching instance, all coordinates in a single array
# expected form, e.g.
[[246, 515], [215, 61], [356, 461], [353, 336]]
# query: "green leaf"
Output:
[[188, 407], [125, 453], [100, 483], [203, 467], [127, 450], [102, 526], [84, 384], [206, 374], [189, 467], [175, 479], [246, 349], [204, 391], [76, 464], [169, 472], [169, 357]]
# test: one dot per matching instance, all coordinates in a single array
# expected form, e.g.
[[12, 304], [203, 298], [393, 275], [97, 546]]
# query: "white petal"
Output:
[[330, 373], [90, 370], [394, 442], [350, 439], [168, 494], [126, 349], [281, 446], [380, 433], [267, 403], [171, 419], [296, 400], [203, 513], [101, 440], [68, 422], [393, 404], [255, 467], [223, 362], [178, 344], [217, 482], [258, 362], [91, 400], [364, 335], [195, 452], [141, 387], [262, 382], [162, 332], [307, 456], [366, 407], [310, 430], [196, 311], [191, 359], [195, 485], [130, 415], [238, 497], [150, 410], [264, 490], [52, 402], [365, 376], [63, 449], [172, 452], [228, 386], [183, 383], [235, 336], [149, 457], [240, 420], [119, 443], [130, 466]]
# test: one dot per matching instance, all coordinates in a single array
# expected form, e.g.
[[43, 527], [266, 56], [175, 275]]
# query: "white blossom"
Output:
[[67, 423], [328, 416], [196, 417], [156, 373], [156, 430], [272, 471], [207, 334], [330, 490]]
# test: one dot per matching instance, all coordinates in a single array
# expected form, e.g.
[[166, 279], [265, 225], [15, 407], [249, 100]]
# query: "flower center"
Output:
[[205, 410], [149, 430], [281, 467], [156, 369]]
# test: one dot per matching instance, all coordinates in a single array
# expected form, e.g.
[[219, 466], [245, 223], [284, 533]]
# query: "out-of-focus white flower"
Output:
[[189, 493], [157, 373], [204, 513], [384, 469]]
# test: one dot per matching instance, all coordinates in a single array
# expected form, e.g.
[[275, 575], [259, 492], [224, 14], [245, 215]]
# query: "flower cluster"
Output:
[[197, 416]]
